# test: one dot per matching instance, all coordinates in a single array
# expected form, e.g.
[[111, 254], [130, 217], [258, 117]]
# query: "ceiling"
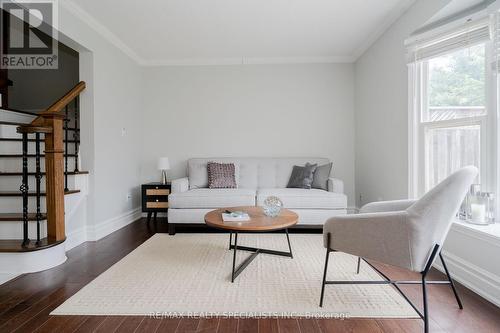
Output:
[[177, 32]]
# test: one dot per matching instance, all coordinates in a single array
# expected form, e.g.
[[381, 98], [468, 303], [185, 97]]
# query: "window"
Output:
[[453, 111], [450, 112]]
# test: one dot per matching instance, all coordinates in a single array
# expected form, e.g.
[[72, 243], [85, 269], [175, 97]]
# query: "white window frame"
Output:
[[417, 90]]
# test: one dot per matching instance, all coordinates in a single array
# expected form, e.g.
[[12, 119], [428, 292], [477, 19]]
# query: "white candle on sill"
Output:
[[478, 213]]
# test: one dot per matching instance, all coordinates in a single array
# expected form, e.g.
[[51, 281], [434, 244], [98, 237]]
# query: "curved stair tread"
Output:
[[33, 140], [4, 217], [70, 173], [16, 245], [31, 194], [29, 155], [34, 129]]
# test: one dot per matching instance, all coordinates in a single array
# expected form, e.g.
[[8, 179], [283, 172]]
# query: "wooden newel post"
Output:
[[54, 168]]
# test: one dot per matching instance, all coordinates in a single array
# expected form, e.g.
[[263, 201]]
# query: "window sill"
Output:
[[490, 232]]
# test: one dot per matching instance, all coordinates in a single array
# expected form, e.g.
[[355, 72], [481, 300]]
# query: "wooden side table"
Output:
[[155, 199]]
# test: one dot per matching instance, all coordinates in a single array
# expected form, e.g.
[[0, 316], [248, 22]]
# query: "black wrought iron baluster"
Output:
[[76, 134], [66, 120], [24, 190], [38, 178]]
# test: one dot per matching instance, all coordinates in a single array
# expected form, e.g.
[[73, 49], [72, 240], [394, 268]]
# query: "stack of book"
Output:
[[238, 216]]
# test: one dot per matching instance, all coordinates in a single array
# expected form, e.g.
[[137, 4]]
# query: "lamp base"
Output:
[[164, 177]]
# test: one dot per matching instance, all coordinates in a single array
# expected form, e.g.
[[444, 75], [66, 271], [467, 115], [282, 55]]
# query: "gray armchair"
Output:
[[403, 233]]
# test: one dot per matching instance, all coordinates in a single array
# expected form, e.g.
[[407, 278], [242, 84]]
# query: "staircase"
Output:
[[39, 160]]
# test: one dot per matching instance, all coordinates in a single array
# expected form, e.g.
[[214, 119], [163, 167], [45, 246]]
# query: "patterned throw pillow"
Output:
[[221, 175]]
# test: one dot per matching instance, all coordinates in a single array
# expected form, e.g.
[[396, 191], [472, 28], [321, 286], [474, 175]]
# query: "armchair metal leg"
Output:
[[359, 264], [424, 286], [459, 302], [324, 273], [324, 278], [426, 307]]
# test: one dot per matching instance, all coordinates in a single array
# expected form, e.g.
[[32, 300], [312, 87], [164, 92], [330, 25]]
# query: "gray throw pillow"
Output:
[[321, 176], [302, 177]]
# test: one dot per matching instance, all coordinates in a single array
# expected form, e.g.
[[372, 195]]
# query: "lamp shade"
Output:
[[163, 163]]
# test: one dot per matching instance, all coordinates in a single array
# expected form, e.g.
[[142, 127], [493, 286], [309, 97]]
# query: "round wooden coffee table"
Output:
[[259, 222]]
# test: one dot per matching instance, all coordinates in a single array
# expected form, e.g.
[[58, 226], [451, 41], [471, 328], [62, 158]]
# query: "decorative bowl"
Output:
[[272, 206]]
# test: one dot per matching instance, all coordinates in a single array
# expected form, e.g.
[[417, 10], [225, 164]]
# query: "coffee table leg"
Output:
[[289, 246], [230, 239], [256, 251], [234, 255]]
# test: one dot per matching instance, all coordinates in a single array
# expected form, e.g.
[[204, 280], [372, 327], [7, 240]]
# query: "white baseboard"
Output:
[[111, 225], [76, 238], [4, 277], [480, 281], [94, 233]]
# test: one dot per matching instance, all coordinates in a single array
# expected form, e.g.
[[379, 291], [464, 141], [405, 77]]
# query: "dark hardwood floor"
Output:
[[25, 303]]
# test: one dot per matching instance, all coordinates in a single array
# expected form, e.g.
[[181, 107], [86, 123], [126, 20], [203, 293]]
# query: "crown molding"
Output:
[[389, 20], [246, 61], [85, 17]]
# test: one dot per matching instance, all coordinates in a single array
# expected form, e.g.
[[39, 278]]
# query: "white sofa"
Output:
[[257, 178]]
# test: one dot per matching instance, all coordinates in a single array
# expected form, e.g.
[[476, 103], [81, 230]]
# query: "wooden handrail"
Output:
[[66, 99], [60, 104]]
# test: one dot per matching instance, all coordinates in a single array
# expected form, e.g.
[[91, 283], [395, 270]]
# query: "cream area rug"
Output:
[[190, 274]]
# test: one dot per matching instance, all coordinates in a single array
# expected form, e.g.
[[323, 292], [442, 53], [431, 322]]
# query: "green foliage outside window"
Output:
[[458, 79]]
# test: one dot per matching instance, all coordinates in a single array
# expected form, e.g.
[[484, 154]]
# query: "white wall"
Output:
[[110, 103], [249, 110], [382, 109]]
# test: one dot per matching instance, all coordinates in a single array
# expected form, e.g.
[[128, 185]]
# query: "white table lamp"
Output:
[[163, 165]]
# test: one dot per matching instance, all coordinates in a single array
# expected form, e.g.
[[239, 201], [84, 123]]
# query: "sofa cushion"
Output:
[[304, 198], [212, 198]]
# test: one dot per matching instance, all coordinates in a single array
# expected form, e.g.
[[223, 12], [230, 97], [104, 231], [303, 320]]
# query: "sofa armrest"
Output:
[[335, 185], [180, 185]]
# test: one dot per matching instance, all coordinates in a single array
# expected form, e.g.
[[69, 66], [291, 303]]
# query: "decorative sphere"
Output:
[[272, 206]]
